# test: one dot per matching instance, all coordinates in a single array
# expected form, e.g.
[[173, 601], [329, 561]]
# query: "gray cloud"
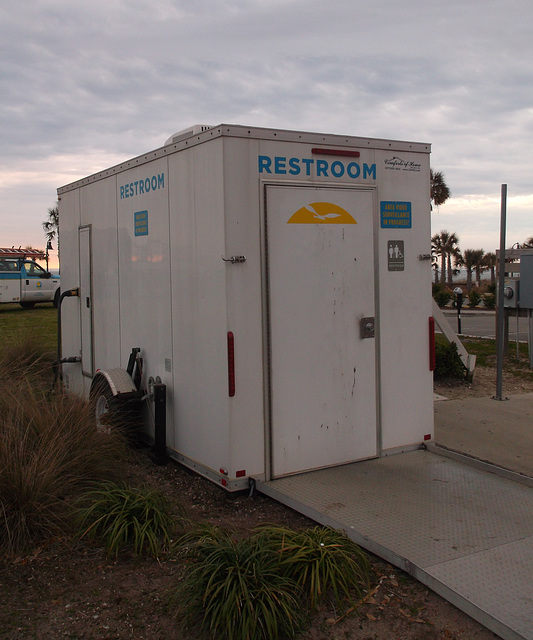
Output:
[[109, 80]]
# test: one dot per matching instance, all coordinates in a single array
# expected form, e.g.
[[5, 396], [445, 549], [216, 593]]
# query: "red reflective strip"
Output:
[[231, 364], [335, 152], [241, 473], [431, 343]]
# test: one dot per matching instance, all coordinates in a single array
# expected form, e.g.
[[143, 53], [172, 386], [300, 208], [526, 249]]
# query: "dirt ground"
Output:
[[484, 385], [66, 590]]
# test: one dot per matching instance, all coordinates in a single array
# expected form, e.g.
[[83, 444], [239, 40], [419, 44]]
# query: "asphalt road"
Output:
[[482, 324]]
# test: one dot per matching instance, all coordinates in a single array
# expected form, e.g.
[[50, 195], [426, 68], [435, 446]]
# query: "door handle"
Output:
[[367, 327]]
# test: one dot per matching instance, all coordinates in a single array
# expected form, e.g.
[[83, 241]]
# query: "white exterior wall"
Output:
[[69, 221], [170, 292], [245, 310], [199, 305], [98, 208], [405, 305]]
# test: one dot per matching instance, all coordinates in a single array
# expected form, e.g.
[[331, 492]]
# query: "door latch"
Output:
[[367, 327]]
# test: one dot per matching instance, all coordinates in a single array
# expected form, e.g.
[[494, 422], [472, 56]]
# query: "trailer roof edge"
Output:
[[258, 133]]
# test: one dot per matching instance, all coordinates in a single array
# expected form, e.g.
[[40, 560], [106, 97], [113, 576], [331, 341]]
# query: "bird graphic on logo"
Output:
[[321, 213]]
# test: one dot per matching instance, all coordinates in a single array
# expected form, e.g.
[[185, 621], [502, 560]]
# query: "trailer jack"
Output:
[[158, 453]]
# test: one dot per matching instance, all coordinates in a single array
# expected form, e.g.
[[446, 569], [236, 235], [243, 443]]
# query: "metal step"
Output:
[[464, 532]]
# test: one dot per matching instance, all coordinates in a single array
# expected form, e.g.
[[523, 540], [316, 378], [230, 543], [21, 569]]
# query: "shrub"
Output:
[[441, 295], [127, 517], [49, 452], [489, 300], [448, 364], [259, 587], [474, 298], [235, 588], [320, 560]]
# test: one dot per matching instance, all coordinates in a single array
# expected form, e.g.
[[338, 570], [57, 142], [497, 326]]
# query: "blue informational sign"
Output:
[[395, 215], [141, 223]]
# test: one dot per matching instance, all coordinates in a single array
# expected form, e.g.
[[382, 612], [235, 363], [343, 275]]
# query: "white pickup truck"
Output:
[[24, 281]]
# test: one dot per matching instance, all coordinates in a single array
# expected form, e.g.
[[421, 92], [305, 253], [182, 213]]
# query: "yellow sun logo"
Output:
[[321, 213]]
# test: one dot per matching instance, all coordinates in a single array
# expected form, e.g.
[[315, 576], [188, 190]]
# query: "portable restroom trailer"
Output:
[[277, 282]]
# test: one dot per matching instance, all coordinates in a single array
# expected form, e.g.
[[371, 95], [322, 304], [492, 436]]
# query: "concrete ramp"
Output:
[[464, 532]]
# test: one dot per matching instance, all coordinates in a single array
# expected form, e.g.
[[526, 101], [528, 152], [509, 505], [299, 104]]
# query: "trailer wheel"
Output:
[[56, 298], [105, 406], [111, 412]]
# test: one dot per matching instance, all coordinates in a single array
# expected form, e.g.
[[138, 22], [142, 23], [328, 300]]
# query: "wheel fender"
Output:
[[119, 380]]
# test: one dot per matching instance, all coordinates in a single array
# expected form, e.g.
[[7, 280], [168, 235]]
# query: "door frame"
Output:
[[85, 256], [267, 334]]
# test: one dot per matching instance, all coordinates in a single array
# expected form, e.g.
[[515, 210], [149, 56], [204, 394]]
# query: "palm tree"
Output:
[[473, 260], [51, 225], [468, 261], [446, 246], [489, 262], [437, 249], [439, 191], [452, 251]]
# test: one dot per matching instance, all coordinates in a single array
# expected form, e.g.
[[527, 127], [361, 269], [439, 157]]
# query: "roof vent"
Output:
[[187, 133]]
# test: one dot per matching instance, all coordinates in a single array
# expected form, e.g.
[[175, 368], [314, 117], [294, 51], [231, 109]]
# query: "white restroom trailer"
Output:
[[278, 283]]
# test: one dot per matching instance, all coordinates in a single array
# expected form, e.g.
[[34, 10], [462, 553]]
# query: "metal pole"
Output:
[[530, 338], [518, 333], [501, 284]]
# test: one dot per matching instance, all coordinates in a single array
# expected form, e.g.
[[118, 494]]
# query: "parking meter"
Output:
[[458, 294]]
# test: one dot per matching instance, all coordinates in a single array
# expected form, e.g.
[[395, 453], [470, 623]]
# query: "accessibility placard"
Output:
[[395, 254]]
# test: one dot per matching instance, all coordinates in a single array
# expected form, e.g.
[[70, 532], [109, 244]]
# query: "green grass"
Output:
[[40, 322], [485, 351]]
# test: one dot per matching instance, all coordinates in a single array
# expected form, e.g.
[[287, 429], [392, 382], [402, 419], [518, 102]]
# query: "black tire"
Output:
[[27, 305], [56, 298], [111, 413], [105, 406]]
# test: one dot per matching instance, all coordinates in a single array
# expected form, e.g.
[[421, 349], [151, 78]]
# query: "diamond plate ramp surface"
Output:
[[465, 532]]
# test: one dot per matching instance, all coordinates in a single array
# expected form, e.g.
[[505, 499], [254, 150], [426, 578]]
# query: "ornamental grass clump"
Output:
[[322, 561], [24, 356], [262, 586], [235, 588], [50, 452], [128, 518]]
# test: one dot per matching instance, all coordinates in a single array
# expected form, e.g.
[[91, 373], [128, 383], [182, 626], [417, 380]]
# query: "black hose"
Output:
[[56, 366]]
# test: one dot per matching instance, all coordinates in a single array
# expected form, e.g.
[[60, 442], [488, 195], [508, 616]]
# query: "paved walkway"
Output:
[[498, 432]]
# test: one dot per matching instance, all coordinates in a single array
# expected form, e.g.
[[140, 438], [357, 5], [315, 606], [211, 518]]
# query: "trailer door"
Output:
[[86, 301], [320, 273]]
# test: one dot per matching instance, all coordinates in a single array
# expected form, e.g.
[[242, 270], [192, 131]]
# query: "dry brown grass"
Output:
[[50, 450]]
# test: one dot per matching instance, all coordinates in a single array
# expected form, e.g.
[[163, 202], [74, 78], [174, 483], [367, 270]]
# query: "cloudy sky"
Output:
[[89, 83]]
